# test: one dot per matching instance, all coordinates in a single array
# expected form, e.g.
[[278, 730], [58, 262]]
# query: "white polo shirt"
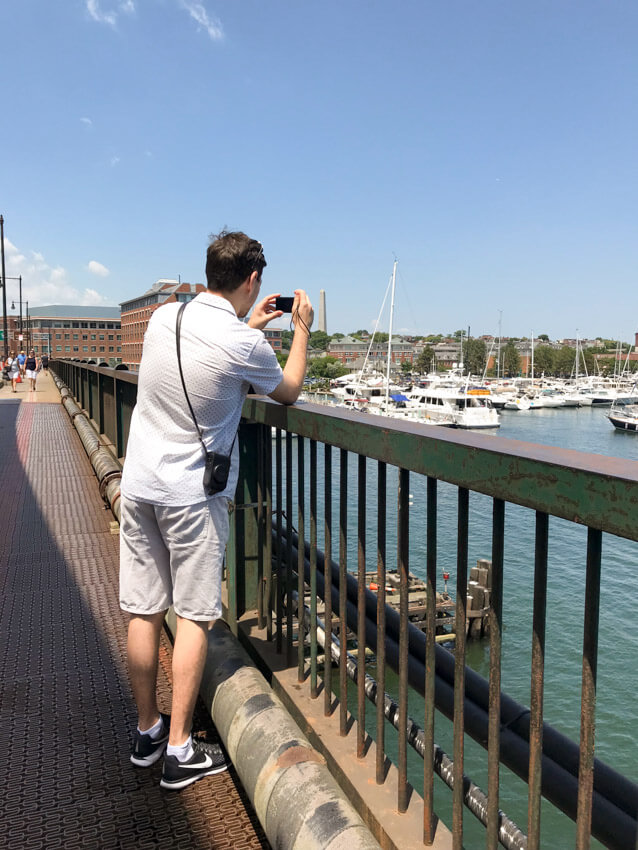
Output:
[[221, 358]]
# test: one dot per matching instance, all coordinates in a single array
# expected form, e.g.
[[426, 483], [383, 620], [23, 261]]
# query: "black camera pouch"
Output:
[[216, 473]]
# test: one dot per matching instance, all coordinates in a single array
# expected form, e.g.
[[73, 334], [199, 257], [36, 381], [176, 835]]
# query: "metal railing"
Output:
[[108, 395], [298, 527]]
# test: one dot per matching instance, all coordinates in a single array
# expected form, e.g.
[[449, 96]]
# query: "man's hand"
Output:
[[264, 312], [302, 312], [295, 369]]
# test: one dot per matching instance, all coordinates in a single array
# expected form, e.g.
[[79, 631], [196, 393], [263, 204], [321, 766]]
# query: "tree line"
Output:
[[552, 362]]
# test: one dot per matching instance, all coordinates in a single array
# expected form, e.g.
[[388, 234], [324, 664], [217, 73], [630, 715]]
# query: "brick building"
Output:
[[69, 332], [136, 314], [351, 352], [273, 336]]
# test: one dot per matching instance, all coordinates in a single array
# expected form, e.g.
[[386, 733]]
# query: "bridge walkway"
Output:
[[66, 709]]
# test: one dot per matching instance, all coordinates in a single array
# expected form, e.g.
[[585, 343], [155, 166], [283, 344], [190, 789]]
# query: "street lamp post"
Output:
[[13, 306], [4, 292]]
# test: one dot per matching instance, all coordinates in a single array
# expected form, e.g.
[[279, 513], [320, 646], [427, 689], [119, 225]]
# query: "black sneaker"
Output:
[[146, 750], [206, 760]]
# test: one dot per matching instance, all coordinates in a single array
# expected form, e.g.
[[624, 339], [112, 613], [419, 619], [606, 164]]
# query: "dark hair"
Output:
[[231, 258]]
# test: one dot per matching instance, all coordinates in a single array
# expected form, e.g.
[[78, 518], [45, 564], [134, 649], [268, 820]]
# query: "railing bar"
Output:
[[343, 599], [538, 680], [267, 440], [459, 666], [496, 633], [301, 480], [279, 499], [429, 819], [588, 690], [314, 693], [403, 563], [289, 528], [475, 799], [381, 568], [327, 671], [260, 526], [361, 605]]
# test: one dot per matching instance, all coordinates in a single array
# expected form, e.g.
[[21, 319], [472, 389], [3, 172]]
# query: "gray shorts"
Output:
[[173, 556]]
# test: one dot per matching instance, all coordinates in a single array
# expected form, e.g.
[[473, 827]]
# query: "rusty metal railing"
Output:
[[599, 492], [299, 511]]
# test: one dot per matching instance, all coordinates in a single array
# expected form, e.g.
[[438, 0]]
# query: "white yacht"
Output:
[[519, 402], [455, 406], [546, 398]]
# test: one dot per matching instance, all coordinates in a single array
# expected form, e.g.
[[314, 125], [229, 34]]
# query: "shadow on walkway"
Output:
[[66, 711]]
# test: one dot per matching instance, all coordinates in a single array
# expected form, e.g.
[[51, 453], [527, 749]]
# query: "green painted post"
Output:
[[242, 553]]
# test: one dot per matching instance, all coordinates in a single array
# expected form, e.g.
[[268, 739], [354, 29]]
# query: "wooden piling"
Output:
[[478, 599]]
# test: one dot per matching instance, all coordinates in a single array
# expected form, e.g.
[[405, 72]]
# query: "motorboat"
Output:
[[547, 398], [623, 413], [624, 417], [455, 406], [519, 402]]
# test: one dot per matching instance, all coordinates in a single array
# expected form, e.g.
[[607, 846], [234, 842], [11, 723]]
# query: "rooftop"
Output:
[[164, 286], [67, 311]]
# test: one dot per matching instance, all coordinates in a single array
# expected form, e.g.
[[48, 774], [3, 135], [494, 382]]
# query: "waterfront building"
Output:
[[273, 336], [70, 332], [448, 354], [136, 314], [352, 352]]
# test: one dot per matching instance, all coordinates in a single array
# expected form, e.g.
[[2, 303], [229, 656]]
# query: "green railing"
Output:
[[339, 496]]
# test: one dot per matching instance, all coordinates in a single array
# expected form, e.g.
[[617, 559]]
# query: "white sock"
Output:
[[183, 752], [155, 731]]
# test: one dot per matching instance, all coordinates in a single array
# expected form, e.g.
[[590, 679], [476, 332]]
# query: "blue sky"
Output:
[[490, 146]]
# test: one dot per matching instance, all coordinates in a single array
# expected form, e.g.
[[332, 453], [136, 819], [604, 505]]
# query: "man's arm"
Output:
[[295, 369]]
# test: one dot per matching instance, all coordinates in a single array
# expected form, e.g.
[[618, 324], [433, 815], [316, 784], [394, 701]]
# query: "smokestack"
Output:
[[322, 325]]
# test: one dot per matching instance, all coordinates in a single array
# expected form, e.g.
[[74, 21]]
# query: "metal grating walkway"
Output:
[[66, 710]]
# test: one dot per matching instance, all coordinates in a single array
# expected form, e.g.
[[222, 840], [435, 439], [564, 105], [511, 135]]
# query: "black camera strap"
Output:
[[178, 327]]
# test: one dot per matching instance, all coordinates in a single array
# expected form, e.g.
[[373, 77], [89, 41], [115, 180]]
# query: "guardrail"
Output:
[[291, 496], [108, 396]]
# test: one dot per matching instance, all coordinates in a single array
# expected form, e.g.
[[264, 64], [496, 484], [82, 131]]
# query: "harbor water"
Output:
[[583, 429]]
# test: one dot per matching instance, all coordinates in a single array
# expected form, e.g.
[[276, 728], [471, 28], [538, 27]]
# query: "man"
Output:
[[173, 536], [22, 359]]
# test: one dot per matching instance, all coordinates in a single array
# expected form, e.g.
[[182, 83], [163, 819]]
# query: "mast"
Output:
[[532, 335], [387, 380], [498, 354], [577, 358]]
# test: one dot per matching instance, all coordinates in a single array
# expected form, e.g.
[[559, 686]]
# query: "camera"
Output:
[[216, 473], [284, 303]]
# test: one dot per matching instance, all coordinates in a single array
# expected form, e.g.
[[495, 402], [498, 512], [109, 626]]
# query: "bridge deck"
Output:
[[66, 710]]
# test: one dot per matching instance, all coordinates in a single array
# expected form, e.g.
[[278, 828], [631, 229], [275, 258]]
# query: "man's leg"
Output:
[[189, 657], [142, 649]]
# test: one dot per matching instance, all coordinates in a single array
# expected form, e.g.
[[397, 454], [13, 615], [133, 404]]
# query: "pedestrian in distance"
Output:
[[31, 369], [22, 359], [14, 370], [180, 474], [44, 363]]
